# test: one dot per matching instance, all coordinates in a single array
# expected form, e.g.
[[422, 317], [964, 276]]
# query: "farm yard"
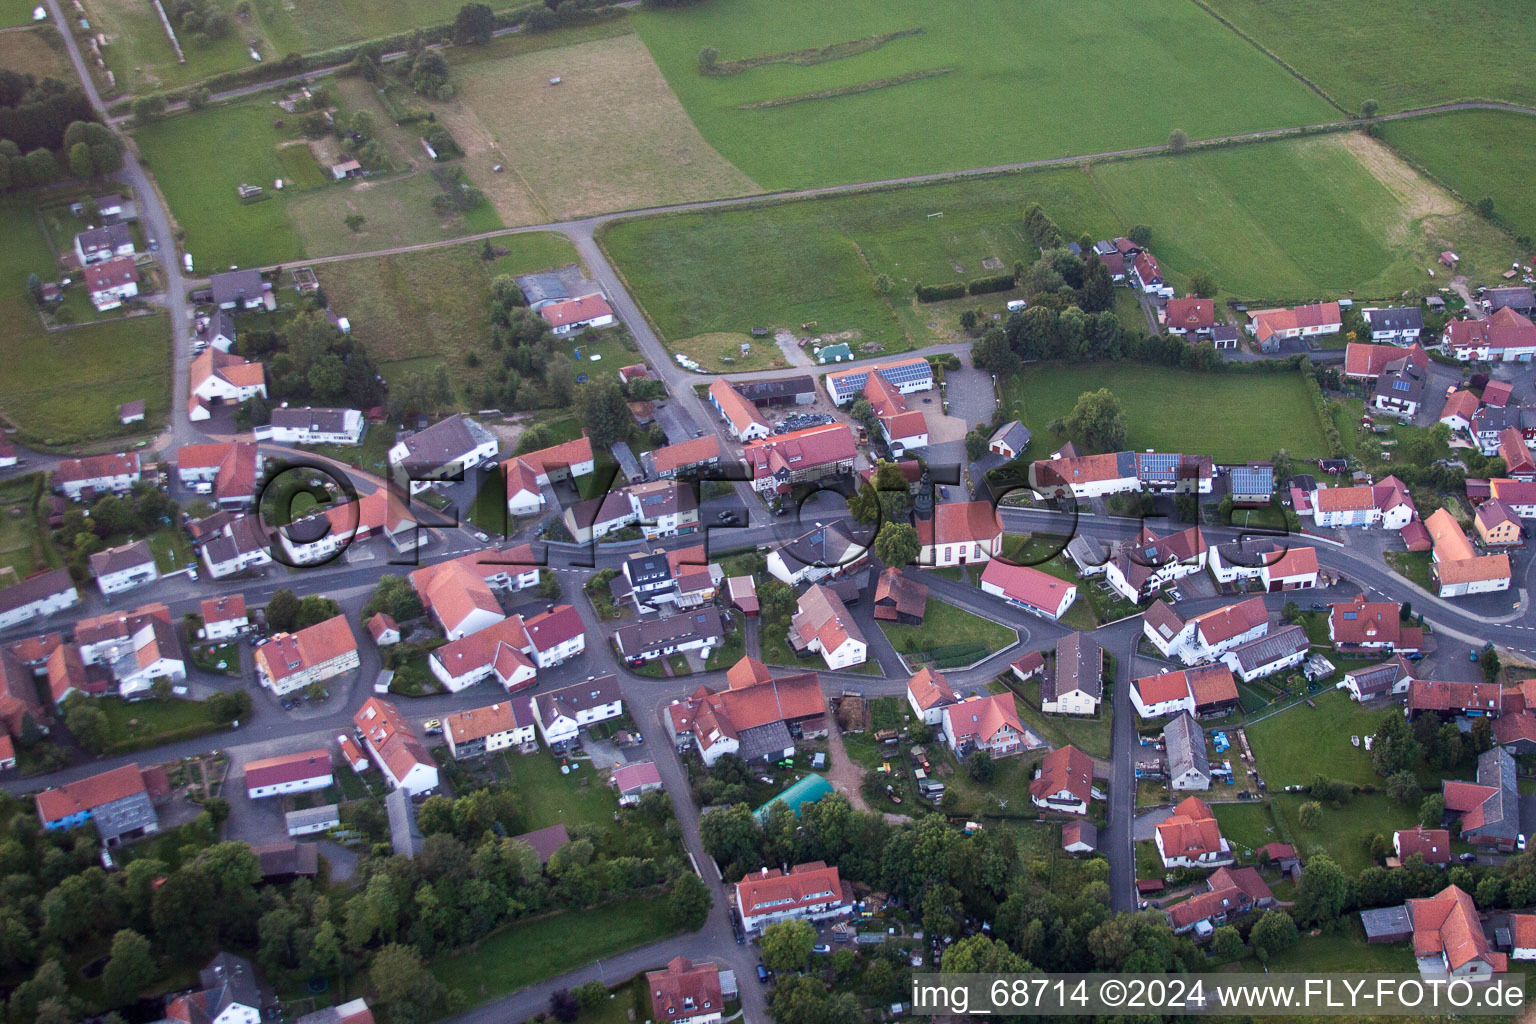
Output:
[[63, 387], [1353, 49], [1472, 152], [946, 95], [418, 311], [1289, 220], [610, 136]]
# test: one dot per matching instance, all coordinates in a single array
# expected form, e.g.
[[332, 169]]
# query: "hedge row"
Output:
[[996, 283], [1324, 414], [940, 292]]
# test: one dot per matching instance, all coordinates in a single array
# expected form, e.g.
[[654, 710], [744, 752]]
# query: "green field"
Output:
[[946, 625], [1345, 832], [1246, 826], [25, 545], [1025, 80], [1295, 745], [16, 12], [1400, 53], [414, 312], [1471, 151], [1258, 412], [64, 387], [545, 797], [1293, 220]]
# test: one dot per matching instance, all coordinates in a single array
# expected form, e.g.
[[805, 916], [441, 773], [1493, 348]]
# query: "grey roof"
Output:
[[829, 545], [233, 978], [236, 286], [285, 858], [772, 738], [642, 637], [648, 568], [220, 325], [1492, 419], [1079, 666], [444, 442], [543, 288], [328, 421], [774, 388], [109, 237], [128, 556], [1374, 679], [310, 816], [1386, 924], [404, 836], [581, 697], [1517, 297], [1225, 332], [1402, 380], [628, 464], [1186, 747], [1087, 551], [1253, 480], [1273, 647], [1501, 811], [1397, 318], [1014, 434]]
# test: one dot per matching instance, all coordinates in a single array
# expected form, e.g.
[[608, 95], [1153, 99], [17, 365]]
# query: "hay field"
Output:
[[611, 136], [1478, 153], [28, 52]]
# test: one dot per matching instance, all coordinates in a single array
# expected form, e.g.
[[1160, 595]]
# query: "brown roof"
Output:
[[930, 689], [1191, 314], [1065, 769], [1211, 685], [1433, 844], [684, 989], [1434, 695], [747, 672], [288, 654], [90, 793], [93, 467], [126, 556], [476, 724], [895, 595], [545, 841]]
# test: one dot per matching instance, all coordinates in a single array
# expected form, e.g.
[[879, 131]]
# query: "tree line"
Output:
[[48, 132]]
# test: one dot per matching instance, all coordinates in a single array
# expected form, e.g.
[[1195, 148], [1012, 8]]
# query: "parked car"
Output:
[[821, 947], [432, 726], [762, 974]]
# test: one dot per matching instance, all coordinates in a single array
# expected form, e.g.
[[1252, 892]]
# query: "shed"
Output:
[[1387, 924], [628, 464], [807, 791], [743, 593]]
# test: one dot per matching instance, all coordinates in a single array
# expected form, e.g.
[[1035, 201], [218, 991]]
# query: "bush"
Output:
[[940, 292], [996, 283]]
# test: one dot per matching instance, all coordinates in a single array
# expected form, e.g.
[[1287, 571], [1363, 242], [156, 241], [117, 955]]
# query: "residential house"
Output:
[[1009, 440], [1457, 565], [929, 693], [1504, 336], [1448, 938], [1395, 325], [664, 508], [444, 451], [1459, 408], [700, 630], [238, 289], [96, 475], [1401, 388], [696, 457], [1085, 476], [757, 718], [1300, 322], [578, 314], [1275, 652], [394, 748], [104, 245], [1206, 691], [633, 780], [217, 330], [685, 993], [120, 803], [822, 625], [1450, 700], [1432, 844], [742, 593], [383, 629], [288, 773], [1190, 317], [1063, 782], [1519, 495], [1229, 893], [502, 725], [219, 377], [20, 710], [1208, 635], [1253, 484], [823, 553], [1390, 678], [564, 461], [901, 427], [224, 618], [1139, 568], [1386, 504], [354, 1011], [231, 994], [807, 892], [779, 462], [1491, 430], [1518, 463], [501, 649], [899, 599], [1146, 275], [1523, 937], [960, 533], [556, 636], [524, 495], [293, 661], [1361, 625], [1189, 767], [1170, 473], [913, 373], [1028, 588], [461, 594], [987, 722], [1075, 684], [228, 471], [108, 284], [313, 426], [1191, 838], [235, 546], [1498, 525], [561, 714], [1490, 807], [124, 567]]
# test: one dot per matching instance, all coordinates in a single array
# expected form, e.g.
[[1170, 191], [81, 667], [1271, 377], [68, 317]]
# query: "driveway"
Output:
[[1145, 825], [970, 395], [846, 776]]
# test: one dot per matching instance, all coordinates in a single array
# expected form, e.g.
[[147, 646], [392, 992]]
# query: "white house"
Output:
[[929, 693], [810, 892], [1189, 766], [1075, 683], [823, 625], [313, 426], [1269, 654], [444, 451], [1191, 837], [153, 654], [463, 662], [556, 636], [217, 376], [123, 568], [108, 284], [1207, 636], [960, 533], [1063, 782], [292, 661], [224, 617], [239, 546], [486, 730], [562, 714], [288, 773], [394, 748], [571, 315], [99, 474], [36, 596], [104, 244]]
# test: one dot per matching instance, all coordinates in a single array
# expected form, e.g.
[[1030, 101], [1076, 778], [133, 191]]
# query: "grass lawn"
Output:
[[735, 646], [1345, 831], [549, 798], [64, 387], [1414, 566], [1090, 735], [1470, 152], [1351, 48], [636, 146], [1246, 826], [525, 953], [1259, 412], [1010, 783], [25, 542], [172, 549], [1344, 949], [151, 723], [946, 625], [30, 52], [16, 12], [371, 456], [995, 51], [1294, 745], [417, 311]]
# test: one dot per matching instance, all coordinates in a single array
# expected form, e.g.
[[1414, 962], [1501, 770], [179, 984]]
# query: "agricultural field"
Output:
[[952, 91], [1473, 151], [16, 12], [1353, 49], [417, 311], [1259, 412], [140, 55], [1287, 220], [611, 136], [31, 52], [63, 387]]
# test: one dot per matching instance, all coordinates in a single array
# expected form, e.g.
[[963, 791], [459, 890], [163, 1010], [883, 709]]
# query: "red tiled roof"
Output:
[[223, 609], [553, 628], [773, 892], [477, 724], [1447, 923], [800, 450], [89, 793], [1497, 393], [692, 452], [111, 274], [1433, 844], [1361, 621], [1461, 404], [1212, 684], [272, 771], [929, 689], [1523, 927], [1345, 499], [1191, 314], [288, 654], [822, 616], [1191, 830], [1158, 689], [575, 311], [559, 456], [741, 413], [983, 716], [1222, 624], [1027, 585], [1065, 769], [965, 522], [1504, 329], [684, 989], [94, 467], [747, 672], [1435, 695]]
